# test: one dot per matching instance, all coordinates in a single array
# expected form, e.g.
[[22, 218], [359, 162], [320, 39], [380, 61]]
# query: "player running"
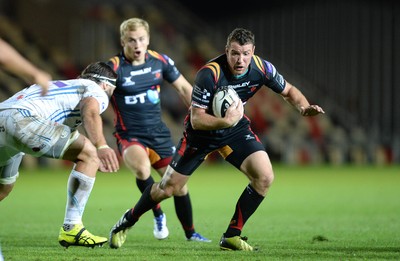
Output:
[[143, 139], [204, 133]]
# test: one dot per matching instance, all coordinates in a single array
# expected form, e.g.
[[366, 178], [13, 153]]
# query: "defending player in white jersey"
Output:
[[46, 126]]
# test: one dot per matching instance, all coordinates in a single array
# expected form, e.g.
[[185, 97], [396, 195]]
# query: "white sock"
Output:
[[78, 190]]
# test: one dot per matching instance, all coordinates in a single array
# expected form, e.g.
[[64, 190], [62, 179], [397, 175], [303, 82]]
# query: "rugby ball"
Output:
[[223, 98]]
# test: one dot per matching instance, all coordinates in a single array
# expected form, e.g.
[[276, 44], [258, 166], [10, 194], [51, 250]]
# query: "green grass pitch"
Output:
[[310, 213]]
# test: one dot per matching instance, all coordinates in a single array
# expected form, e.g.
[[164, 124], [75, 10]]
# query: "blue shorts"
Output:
[[157, 142]]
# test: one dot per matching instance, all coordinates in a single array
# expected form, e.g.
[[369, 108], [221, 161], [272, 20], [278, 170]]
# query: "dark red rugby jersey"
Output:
[[136, 100], [215, 74]]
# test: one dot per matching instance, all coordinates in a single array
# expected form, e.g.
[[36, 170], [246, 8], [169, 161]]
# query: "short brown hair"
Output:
[[241, 36]]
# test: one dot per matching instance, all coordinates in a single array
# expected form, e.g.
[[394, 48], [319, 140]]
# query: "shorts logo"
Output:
[[249, 137], [37, 149], [174, 163], [64, 134]]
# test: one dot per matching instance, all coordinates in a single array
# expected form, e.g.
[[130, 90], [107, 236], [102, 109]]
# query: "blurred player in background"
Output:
[[143, 139], [231, 136], [13, 62], [46, 126]]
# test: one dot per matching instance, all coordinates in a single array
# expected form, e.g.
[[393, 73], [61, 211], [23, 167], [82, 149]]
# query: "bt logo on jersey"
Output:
[[152, 96], [134, 99]]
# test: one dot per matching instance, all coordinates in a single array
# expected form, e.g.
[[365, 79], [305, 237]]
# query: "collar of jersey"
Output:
[[241, 75]]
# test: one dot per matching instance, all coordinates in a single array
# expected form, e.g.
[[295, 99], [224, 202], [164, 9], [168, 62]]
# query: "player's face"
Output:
[[239, 57], [135, 45]]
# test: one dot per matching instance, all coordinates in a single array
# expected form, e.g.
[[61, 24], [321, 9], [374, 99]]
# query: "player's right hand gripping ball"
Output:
[[223, 98]]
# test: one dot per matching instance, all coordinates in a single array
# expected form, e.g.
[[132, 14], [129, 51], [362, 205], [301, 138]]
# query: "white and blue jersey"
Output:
[[42, 125], [61, 104]]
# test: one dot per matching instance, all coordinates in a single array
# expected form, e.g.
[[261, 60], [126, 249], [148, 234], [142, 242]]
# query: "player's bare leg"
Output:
[[136, 158], [258, 168]]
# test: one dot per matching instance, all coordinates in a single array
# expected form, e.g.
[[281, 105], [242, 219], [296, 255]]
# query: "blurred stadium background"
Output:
[[344, 55]]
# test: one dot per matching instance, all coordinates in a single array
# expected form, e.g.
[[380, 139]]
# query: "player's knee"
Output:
[[181, 191], [176, 190], [263, 182], [268, 179], [168, 193], [142, 173], [161, 191], [140, 167]]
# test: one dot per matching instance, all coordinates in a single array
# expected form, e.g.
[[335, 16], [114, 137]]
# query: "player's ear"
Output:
[[103, 85]]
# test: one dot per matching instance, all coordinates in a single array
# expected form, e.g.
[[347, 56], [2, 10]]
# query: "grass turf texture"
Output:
[[311, 213]]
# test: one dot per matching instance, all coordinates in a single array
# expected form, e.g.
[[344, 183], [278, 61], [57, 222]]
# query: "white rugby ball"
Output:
[[223, 98]]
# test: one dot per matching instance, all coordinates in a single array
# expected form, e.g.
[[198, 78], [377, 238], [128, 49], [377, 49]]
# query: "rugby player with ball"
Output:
[[240, 69]]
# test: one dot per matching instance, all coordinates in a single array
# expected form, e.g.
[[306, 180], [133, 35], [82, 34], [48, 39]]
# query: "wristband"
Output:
[[103, 147]]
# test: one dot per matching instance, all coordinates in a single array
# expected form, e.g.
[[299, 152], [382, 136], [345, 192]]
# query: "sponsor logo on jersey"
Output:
[[141, 71], [243, 84], [152, 95], [203, 94], [249, 137], [134, 99], [128, 80]]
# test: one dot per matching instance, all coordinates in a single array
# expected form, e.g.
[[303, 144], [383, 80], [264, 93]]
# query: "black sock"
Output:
[[183, 209], [144, 204], [245, 207], [142, 185]]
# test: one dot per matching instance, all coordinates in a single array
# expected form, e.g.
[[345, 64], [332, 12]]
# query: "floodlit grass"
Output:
[[311, 213]]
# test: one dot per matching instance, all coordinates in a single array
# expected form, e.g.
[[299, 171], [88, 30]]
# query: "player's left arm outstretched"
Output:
[[297, 99]]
